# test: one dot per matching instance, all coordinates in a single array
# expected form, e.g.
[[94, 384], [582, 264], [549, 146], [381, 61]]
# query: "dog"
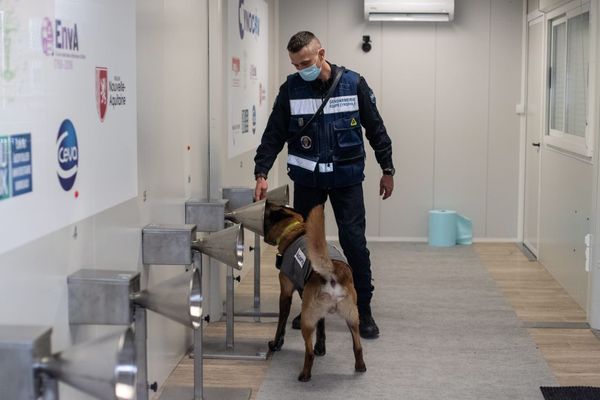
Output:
[[328, 284]]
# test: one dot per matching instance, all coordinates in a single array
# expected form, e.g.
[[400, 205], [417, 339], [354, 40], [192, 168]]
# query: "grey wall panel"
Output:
[[294, 16], [408, 105], [532, 5], [566, 196], [504, 126], [461, 107], [435, 85], [345, 31]]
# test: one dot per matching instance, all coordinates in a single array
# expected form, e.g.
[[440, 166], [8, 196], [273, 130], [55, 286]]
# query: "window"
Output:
[[569, 82]]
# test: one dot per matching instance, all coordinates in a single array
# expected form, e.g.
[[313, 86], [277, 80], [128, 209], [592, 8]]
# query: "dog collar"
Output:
[[287, 230]]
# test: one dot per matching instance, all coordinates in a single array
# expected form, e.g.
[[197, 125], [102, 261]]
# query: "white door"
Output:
[[533, 133]]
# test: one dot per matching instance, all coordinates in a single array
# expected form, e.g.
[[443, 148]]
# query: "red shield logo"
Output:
[[101, 91]]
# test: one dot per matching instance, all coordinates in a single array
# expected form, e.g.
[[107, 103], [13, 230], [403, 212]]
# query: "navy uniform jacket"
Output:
[[315, 154]]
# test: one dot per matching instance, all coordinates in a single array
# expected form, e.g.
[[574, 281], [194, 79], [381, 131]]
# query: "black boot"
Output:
[[296, 322], [367, 327]]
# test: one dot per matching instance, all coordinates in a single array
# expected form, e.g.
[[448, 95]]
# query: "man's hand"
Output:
[[260, 192], [386, 186]]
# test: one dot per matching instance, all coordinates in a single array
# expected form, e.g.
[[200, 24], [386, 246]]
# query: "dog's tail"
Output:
[[316, 244]]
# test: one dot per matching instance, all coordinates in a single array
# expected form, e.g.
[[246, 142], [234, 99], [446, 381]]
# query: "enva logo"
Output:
[[247, 21], [68, 155], [58, 34]]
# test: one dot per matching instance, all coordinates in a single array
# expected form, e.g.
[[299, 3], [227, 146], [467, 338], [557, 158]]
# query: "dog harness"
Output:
[[295, 263]]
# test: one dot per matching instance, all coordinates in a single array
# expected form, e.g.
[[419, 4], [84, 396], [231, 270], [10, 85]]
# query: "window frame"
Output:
[[580, 145]]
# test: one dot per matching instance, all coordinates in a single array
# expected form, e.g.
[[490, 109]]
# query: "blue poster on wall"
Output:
[[20, 158], [15, 165]]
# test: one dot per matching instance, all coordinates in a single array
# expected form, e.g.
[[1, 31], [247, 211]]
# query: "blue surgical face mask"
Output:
[[311, 73]]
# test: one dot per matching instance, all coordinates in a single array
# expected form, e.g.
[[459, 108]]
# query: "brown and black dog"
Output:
[[328, 289]]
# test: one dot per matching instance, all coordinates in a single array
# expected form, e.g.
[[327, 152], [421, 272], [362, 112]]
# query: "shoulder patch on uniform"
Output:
[[372, 97], [353, 122], [300, 258]]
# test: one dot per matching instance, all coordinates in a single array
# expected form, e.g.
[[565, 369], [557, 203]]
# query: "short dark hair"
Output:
[[300, 40]]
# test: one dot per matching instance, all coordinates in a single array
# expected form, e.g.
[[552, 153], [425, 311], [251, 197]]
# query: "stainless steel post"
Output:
[[229, 334], [198, 356], [49, 388], [141, 334], [257, 277]]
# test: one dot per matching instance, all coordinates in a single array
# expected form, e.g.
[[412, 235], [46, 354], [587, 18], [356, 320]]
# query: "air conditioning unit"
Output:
[[409, 10]]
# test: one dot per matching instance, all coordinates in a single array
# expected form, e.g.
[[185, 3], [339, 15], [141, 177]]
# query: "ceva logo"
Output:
[[68, 155], [247, 21]]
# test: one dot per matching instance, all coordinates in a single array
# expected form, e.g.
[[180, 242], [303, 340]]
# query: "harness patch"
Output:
[[300, 258], [353, 122], [306, 142]]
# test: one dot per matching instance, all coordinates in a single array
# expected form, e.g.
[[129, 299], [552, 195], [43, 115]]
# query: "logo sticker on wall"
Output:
[[109, 92], [253, 119], [68, 155], [235, 68], [245, 120], [262, 94], [60, 39], [101, 91], [247, 21]]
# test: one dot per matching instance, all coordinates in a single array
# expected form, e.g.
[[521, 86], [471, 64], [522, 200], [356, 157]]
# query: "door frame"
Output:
[[529, 19]]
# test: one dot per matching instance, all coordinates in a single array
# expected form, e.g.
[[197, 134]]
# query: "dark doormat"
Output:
[[571, 393]]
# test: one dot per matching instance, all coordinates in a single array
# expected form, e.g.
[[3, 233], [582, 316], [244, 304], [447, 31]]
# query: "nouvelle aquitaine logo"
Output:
[[101, 91]]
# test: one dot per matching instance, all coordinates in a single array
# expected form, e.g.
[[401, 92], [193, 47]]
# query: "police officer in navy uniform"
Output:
[[327, 158]]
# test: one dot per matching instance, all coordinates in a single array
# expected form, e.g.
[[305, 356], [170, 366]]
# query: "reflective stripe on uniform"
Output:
[[325, 167], [334, 105], [302, 162]]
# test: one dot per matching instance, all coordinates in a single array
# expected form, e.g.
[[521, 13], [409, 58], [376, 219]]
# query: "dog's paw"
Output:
[[360, 367], [320, 349], [276, 345], [304, 377]]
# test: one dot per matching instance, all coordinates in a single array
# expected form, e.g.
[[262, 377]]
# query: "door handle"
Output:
[[536, 144]]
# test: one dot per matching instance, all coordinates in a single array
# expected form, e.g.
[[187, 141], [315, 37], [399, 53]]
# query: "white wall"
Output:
[[239, 170], [565, 209], [447, 93], [172, 114]]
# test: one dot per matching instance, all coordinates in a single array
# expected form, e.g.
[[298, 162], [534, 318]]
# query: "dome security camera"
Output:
[[366, 45]]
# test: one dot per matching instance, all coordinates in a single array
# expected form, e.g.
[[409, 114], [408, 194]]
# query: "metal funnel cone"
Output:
[[226, 246], [279, 196], [179, 299], [104, 368], [251, 216]]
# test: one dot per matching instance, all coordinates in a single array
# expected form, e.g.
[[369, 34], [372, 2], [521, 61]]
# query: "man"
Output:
[[326, 155]]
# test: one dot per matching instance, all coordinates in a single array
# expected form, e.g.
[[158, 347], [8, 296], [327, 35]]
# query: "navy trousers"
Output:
[[349, 208]]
